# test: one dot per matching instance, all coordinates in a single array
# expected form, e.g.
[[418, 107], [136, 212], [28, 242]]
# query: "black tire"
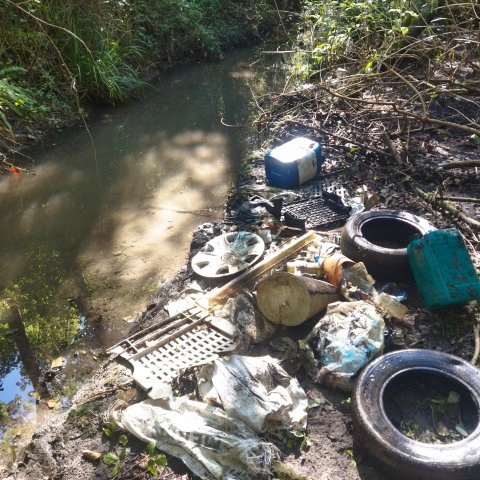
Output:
[[403, 457], [380, 238]]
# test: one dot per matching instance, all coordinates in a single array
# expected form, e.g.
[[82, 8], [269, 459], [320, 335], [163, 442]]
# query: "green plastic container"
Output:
[[443, 269]]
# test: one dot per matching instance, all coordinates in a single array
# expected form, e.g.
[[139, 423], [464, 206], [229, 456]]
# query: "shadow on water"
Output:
[[86, 240]]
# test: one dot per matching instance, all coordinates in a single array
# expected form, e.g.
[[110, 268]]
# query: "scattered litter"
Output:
[[357, 283], [304, 267], [35, 395], [443, 270], [390, 305], [228, 254], [54, 404], [394, 290], [253, 327], [189, 298], [159, 352], [91, 455], [57, 363], [348, 337], [268, 263], [211, 443], [289, 300], [256, 390], [333, 267]]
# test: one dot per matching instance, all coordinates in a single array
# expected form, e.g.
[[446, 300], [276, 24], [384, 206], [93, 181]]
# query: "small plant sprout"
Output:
[[154, 462], [117, 457]]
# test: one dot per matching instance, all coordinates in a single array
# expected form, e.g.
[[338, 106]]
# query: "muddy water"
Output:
[[98, 223]]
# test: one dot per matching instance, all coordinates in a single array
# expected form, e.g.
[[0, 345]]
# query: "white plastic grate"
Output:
[[158, 353]]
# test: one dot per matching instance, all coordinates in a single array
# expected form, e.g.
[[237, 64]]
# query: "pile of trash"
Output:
[[289, 267]]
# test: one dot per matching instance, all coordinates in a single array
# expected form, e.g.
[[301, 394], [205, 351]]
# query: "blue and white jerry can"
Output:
[[293, 163]]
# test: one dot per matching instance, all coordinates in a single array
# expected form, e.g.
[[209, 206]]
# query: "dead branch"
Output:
[[345, 139], [476, 353], [464, 164], [447, 206], [391, 148], [460, 199], [406, 113], [435, 121], [359, 100]]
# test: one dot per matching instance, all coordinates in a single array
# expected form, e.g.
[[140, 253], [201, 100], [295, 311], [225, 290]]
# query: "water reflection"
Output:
[[87, 239]]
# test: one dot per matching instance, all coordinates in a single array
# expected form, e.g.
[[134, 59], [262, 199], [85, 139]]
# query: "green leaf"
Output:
[[306, 444], [152, 468], [122, 454], [110, 458], [412, 14], [116, 470], [453, 397], [123, 440], [4, 121], [161, 460], [404, 30], [151, 448], [110, 429]]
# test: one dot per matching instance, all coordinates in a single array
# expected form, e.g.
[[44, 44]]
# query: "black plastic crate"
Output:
[[320, 212]]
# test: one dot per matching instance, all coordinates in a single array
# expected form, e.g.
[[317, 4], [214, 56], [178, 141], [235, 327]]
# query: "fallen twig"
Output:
[[460, 199], [464, 164], [435, 121], [105, 393], [476, 353], [448, 206], [421, 118], [391, 148], [345, 139]]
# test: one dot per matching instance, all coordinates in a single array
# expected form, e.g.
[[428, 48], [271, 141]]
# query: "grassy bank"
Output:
[[57, 55]]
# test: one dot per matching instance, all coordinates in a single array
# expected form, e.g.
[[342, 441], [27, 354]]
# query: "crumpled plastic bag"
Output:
[[346, 338], [211, 443], [256, 390], [256, 395]]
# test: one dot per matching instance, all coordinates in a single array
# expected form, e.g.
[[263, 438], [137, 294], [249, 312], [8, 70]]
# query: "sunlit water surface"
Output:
[[92, 231]]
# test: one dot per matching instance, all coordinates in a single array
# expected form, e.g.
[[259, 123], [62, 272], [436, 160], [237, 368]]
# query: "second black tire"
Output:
[[379, 239], [402, 457]]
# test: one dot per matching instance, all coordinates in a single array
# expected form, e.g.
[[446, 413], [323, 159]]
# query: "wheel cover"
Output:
[[218, 258]]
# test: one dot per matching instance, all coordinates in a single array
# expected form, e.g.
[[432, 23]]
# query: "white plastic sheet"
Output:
[[211, 443], [256, 394], [256, 390]]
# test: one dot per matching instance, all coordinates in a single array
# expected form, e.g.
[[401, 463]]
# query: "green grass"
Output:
[[55, 54]]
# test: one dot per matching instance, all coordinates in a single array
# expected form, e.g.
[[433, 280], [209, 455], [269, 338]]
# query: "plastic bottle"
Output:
[[299, 267], [390, 305]]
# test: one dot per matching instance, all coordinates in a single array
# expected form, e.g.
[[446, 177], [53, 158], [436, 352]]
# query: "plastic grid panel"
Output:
[[196, 347], [197, 343]]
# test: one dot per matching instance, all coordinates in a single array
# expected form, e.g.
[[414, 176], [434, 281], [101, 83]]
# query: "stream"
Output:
[[104, 217]]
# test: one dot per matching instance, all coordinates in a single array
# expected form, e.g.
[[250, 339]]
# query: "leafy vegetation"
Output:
[[372, 33], [117, 457], [149, 460], [55, 54]]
